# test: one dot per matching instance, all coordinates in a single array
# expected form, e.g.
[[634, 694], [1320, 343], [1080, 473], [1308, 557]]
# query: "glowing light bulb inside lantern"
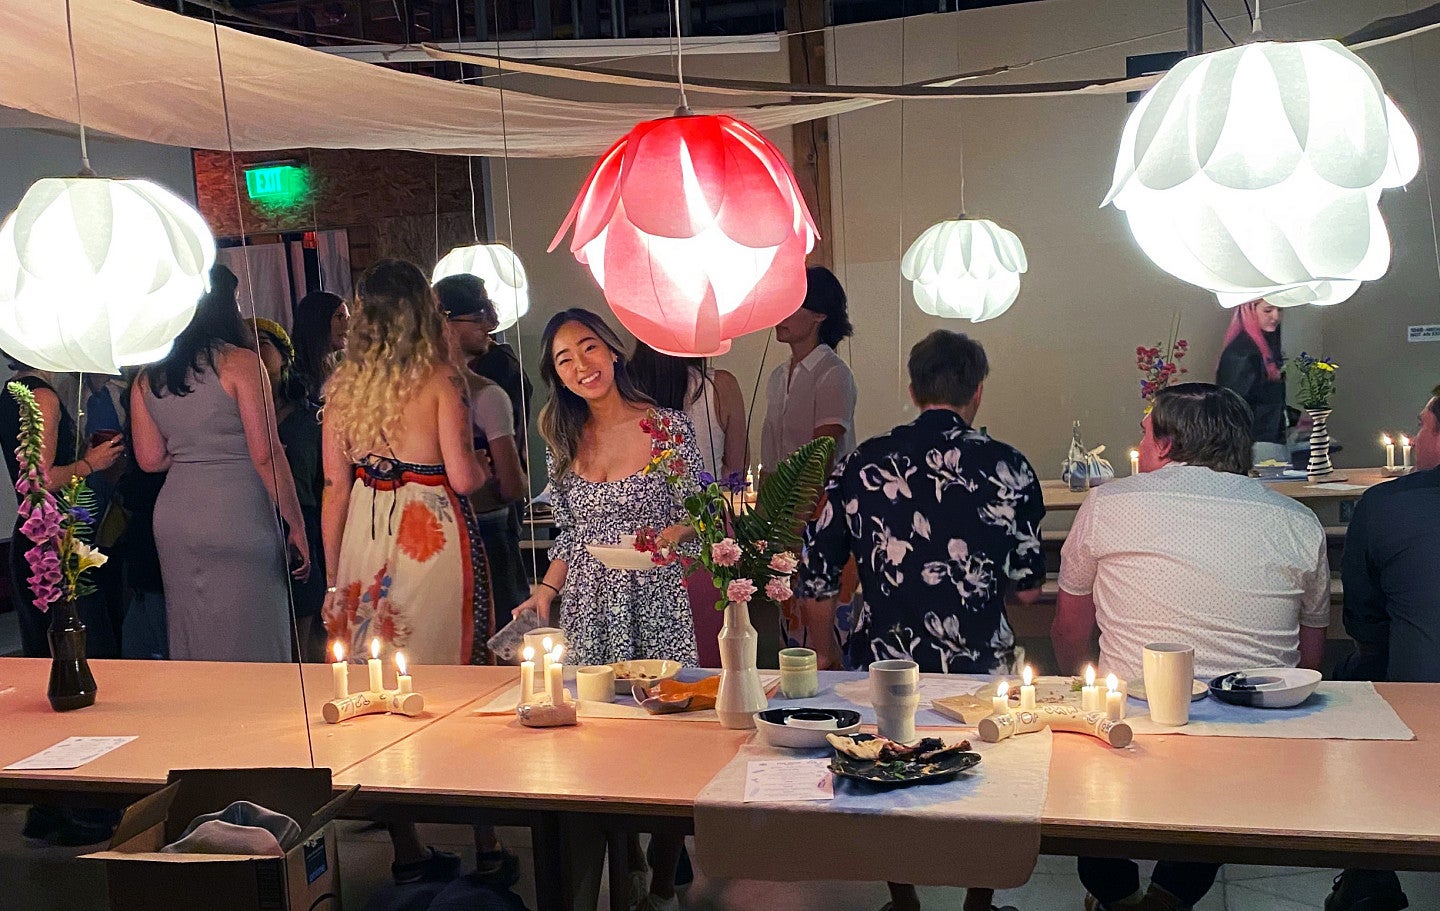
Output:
[[377, 673], [1027, 690]]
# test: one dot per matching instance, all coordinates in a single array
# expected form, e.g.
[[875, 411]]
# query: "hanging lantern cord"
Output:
[[79, 112], [1255, 20], [684, 109]]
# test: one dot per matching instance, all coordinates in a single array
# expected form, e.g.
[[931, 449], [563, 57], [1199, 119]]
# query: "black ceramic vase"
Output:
[[72, 686]]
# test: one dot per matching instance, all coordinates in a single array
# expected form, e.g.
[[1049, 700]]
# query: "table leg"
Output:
[[617, 844], [551, 892]]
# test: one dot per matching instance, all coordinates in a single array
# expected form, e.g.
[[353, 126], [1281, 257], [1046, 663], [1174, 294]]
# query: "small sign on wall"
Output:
[[1430, 333]]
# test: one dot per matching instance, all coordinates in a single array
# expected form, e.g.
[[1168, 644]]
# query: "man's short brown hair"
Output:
[[1205, 425]]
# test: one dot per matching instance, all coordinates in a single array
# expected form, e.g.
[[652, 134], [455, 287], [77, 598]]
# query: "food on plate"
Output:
[[880, 749]]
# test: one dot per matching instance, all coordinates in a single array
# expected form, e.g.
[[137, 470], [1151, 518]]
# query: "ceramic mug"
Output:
[[1169, 677], [799, 673], [895, 693], [536, 639], [595, 684]]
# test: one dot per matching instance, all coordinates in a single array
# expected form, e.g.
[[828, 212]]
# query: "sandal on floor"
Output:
[[434, 867], [499, 868]]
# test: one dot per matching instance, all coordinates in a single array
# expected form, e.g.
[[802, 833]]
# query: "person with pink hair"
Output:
[[1250, 364]]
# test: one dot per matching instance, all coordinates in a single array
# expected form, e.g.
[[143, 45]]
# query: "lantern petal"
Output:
[[597, 200], [966, 268], [674, 177]]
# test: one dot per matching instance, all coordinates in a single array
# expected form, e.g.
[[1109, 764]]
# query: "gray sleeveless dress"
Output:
[[221, 554]]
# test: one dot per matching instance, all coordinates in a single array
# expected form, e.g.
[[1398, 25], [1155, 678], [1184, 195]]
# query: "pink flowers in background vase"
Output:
[[726, 553], [739, 590]]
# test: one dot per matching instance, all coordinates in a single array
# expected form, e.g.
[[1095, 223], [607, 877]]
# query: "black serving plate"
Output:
[[839, 718], [902, 773]]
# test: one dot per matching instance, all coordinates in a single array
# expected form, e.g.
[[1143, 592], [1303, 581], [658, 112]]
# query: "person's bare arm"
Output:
[[335, 501], [505, 459], [98, 459], [1070, 633], [457, 443], [731, 405], [145, 437]]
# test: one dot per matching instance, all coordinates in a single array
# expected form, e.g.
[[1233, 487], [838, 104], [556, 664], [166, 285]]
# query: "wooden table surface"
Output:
[[1059, 497]]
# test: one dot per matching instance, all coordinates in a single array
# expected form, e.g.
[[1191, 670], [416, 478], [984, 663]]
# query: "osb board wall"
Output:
[[387, 200]]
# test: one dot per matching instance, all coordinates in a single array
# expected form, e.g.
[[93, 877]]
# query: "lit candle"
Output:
[[527, 676], [1090, 693], [377, 674], [1134, 461], [403, 682], [555, 676], [1000, 702], [1114, 699], [1389, 445], [341, 670], [1405, 451], [1027, 690], [546, 660]]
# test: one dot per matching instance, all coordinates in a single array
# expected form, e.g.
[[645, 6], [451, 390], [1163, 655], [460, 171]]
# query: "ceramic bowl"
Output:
[[1266, 687], [805, 729], [645, 671], [621, 556]]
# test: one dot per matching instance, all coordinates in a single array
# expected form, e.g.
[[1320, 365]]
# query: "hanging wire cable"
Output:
[[1255, 19], [679, 56], [271, 430], [79, 111], [900, 220], [1213, 19], [1429, 195]]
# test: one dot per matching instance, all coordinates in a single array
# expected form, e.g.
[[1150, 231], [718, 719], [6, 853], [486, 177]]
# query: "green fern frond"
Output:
[[787, 497]]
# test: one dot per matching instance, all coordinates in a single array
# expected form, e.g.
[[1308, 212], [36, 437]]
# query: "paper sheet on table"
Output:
[[1335, 485], [504, 702], [1338, 710], [70, 753], [982, 829], [788, 780]]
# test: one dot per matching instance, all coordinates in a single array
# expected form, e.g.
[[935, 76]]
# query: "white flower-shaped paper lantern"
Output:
[[967, 268], [1258, 168], [99, 274], [500, 269], [1321, 294]]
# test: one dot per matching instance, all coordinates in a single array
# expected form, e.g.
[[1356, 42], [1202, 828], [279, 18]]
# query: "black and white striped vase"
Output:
[[1319, 465]]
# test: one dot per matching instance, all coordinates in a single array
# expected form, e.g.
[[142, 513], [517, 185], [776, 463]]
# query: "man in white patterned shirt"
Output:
[[1191, 550]]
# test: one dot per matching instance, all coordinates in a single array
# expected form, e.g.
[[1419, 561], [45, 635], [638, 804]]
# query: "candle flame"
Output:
[[1404, 440], [1089, 675], [1003, 690], [400, 662], [1027, 675], [1134, 453], [549, 646], [339, 651], [1385, 440], [375, 647], [558, 654], [528, 653], [1112, 683]]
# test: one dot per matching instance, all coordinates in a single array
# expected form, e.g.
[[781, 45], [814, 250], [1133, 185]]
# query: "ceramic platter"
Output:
[[901, 773], [1266, 687], [622, 556]]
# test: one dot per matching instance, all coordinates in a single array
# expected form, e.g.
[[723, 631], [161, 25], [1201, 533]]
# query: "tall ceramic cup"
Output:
[[1169, 677], [895, 693]]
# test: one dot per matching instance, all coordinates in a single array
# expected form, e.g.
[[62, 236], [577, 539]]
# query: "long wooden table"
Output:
[[1060, 498], [1306, 802]]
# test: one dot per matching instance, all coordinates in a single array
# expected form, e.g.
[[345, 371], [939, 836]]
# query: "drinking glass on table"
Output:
[[895, 693], [1169, 677]]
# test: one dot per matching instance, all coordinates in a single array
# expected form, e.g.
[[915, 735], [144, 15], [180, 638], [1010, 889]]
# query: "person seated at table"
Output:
[[1190, 550], [1392, 609], [943, 523]]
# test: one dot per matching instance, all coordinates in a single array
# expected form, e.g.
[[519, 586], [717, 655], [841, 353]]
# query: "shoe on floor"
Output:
[[1366, 890], [434, 867], [639, 886], [499, 868], [653, 902]]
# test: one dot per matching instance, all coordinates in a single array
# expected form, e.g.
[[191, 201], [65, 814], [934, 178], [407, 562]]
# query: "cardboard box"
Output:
[[307, 878]]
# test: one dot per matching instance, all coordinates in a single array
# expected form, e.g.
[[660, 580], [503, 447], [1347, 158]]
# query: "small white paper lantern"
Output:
[[500, 269], [966, 268], [99, 274], [1258, 169]]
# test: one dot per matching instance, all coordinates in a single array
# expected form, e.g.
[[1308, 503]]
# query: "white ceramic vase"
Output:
[[1319, 465], [741, 694]]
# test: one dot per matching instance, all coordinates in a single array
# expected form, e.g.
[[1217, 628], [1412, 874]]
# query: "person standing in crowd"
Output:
[[495, 361], [596, 456], [943, 523], [405, 561], [1250, 364], [297, 423], [1392, 609], [61, 461], [203, 415], [469, 317], [1190, 550], [321, 321]]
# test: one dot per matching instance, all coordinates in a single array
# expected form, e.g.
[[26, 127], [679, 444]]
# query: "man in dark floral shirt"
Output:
[[944, 525]]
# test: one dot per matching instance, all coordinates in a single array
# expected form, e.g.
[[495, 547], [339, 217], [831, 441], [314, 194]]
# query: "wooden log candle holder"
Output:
[[546, 714], [372, 702], [997, 727]]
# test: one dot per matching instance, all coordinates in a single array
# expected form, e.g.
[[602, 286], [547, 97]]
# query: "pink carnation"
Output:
[[740, 590], [785, 562], [778, 589], [725, 553]]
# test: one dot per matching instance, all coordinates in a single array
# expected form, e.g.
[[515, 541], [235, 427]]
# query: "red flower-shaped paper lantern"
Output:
[[695, 230]]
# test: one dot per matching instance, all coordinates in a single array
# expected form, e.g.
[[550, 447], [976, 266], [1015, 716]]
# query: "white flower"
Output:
[[89, 557]]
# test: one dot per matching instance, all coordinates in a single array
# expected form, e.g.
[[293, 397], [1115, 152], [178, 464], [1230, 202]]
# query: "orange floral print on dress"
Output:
[[421, 535]]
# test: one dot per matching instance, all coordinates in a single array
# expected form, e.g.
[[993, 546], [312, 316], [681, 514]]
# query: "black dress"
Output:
[[33, 622], [1242, 368]]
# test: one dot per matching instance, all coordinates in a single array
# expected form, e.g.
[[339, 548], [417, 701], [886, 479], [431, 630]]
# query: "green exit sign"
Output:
[[276, 184]]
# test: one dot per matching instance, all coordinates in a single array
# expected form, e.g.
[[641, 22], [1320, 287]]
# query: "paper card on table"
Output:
[[1335, 486], [70, 753], [787, 780], [932, 688]]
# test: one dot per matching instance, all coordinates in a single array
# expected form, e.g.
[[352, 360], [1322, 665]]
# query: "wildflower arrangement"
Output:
[[60, 525], [1317, 381], [1159, 365], [749, 553]]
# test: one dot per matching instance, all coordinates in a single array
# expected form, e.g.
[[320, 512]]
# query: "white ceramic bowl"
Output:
[[808, 730], [1268, 687], [622, 556], [645, 671]]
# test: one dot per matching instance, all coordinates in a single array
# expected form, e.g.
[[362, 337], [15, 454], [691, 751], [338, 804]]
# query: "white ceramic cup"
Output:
[[799, 673], [536, 639], [595, 684], [1169, 677], [895, 693]]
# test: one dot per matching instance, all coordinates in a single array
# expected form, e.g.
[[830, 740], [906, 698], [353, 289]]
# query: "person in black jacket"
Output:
[[1250, 364]]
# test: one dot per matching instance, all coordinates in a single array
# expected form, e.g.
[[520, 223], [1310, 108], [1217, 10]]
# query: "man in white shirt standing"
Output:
[[813, 395], [1191, 550]]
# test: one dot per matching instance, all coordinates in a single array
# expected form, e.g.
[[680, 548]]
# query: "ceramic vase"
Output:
[[72, 686], [1319, 443], [741, 694]]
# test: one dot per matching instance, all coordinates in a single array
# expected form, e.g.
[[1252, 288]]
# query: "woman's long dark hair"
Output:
[[314, 354], [216, 322], [665, 377], [564, 415]]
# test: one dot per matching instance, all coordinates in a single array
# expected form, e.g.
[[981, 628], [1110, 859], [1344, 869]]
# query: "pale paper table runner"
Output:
[[1338, 710], [983, 829], [504, 702]]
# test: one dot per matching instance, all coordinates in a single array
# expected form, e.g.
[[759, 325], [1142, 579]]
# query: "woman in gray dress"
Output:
[[204, 415]]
